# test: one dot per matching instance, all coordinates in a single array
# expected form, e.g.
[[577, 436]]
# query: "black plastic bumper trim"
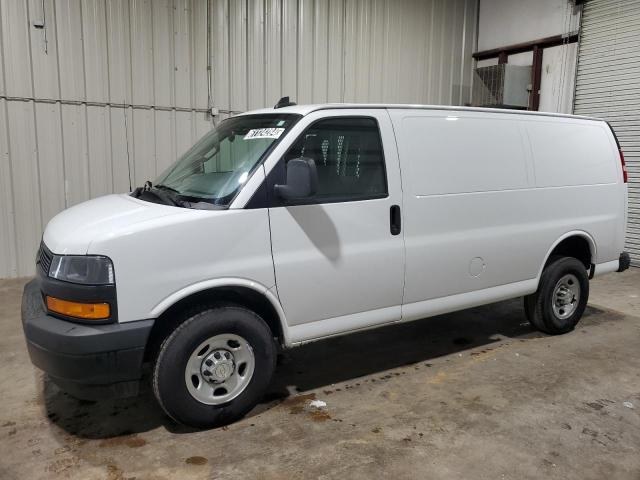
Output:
[[108, 357]]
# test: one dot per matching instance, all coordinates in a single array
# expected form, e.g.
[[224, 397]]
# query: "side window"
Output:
[[348, 155]]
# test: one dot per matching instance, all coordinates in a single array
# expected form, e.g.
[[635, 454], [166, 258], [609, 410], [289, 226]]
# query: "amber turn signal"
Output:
[[88, 311]]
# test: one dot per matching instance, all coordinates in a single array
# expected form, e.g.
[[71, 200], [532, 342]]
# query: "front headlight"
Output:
[[85, 269]]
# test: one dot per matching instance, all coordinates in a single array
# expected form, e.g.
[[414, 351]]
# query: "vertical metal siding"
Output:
[[120, 88], [607, 86]]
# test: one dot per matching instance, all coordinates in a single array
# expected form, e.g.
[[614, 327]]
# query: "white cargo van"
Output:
[[297, 223]]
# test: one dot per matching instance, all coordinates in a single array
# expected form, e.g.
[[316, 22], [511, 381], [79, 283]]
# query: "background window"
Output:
[[348, 156]]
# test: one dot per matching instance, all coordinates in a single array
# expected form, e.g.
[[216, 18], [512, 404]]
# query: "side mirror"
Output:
[[302, 180]]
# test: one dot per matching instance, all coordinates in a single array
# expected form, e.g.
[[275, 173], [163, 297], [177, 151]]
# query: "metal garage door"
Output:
[[608, 86]]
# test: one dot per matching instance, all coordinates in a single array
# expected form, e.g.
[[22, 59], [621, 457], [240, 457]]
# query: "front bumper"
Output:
[[87, 361]]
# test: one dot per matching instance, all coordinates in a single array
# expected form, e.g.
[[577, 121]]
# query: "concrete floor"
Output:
[[476, 394]]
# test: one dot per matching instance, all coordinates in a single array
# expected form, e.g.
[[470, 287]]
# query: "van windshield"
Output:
[[219, 164]]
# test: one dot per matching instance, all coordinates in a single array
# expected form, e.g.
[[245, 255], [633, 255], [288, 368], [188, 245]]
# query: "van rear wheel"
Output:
[[561, 298], [214, 367]]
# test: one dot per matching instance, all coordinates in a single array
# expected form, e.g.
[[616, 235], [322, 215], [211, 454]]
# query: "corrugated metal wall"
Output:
[[608, 86], [110, 92]]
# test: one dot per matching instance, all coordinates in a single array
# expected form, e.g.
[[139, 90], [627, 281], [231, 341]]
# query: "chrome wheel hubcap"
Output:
[[219, 369], [566, 296], [218, 366]]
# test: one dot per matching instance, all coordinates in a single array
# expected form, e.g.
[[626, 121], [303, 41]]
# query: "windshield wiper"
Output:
[[159, 191], [164, 197], [174, 198], [166, 187]]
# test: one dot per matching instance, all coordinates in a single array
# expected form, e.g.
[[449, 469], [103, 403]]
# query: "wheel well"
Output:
[[576, 247], [241, 296]]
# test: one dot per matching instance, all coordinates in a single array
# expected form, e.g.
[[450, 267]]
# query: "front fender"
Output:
[[185, 292]]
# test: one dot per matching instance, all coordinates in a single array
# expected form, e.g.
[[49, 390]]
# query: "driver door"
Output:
[[339, 255]]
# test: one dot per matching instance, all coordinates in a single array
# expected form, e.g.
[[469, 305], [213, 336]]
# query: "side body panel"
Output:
[[484, 199], [484, 204]]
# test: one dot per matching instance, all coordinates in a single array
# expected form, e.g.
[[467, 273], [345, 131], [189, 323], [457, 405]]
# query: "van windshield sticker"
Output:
[[264, 133]]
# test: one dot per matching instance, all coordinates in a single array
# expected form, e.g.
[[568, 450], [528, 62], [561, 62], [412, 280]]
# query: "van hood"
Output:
[[72, 231]]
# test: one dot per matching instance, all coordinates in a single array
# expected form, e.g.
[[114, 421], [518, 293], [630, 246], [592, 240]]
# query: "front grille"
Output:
[[44, 258]]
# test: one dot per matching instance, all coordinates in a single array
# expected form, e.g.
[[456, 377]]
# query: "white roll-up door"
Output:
[[608, 86]]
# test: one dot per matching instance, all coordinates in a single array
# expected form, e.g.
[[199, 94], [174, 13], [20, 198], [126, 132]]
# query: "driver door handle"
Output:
[[395, 220]]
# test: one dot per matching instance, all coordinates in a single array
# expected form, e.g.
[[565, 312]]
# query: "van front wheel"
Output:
[[561, 298], [214, 367]]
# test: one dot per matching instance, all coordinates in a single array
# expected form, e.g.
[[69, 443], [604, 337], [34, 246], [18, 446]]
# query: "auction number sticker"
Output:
[[264, 133]]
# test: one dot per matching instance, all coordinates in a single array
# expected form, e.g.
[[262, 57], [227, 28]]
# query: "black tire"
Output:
[[539, 306], [169, 384]]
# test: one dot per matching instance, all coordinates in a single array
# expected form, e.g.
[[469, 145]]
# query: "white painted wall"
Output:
[[507, 22]]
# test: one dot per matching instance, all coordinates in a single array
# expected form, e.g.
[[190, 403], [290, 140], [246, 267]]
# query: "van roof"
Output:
[[306, 109]]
